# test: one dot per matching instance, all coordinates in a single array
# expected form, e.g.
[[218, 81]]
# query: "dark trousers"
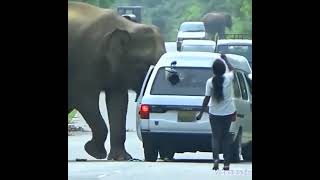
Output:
[[221, 138]]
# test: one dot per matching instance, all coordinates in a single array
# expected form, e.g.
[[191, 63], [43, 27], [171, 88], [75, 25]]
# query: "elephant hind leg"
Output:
[[89, 109]]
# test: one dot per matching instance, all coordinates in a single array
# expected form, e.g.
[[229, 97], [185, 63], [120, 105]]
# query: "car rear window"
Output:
[[192, 82]]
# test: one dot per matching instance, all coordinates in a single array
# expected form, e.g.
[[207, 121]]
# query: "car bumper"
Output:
[[180, 142]]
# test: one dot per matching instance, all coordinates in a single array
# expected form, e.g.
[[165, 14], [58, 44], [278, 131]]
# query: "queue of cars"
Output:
[[173, 90], [192, 36], [191, 30]]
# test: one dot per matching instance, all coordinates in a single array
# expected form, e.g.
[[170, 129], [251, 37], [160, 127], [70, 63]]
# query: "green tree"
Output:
[[169, 14]]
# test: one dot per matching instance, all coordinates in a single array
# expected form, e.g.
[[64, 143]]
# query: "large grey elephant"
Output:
[[216, 22], [107, 52]]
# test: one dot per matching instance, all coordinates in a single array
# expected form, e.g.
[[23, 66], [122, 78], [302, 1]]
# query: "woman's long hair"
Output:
[[219, 69]]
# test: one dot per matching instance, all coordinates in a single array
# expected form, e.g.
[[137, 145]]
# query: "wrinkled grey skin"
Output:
[[216, 22], [107, 52]]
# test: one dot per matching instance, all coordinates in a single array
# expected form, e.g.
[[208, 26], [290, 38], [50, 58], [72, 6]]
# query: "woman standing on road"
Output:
[[222, 110]]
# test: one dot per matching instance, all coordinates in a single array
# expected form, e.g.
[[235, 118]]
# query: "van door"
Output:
[[243, 105], [144, 85]]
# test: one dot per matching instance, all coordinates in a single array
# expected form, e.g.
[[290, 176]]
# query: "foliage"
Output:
[[169, 14]]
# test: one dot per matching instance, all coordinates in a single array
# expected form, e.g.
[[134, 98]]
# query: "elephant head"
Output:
[[131, 52]]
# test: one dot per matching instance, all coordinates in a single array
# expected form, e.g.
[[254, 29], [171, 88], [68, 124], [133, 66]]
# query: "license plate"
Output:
[[186, 116]]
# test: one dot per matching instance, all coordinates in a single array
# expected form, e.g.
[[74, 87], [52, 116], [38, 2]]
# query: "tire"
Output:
[[150, 152], [166, 155], [247, 151], [236, 148]]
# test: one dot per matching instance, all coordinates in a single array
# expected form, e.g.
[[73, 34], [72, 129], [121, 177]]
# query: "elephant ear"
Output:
[[115, 47], [115, 43]]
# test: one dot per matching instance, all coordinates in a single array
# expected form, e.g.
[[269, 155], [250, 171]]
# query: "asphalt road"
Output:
[[186, 165]]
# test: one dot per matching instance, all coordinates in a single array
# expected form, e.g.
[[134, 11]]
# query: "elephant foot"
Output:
[[93, 150], [119, 155]]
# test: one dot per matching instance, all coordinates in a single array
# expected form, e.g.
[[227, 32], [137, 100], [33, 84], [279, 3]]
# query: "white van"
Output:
[[191, 30], [242, 47], [172, 95], [198, 45]]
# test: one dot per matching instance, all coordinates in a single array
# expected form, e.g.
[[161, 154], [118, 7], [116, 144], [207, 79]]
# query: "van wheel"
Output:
[[236, 148], [150, 152], [247, 151], [166, 155]]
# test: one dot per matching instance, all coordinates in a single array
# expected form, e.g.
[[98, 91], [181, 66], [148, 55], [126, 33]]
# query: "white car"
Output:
[[171, 46], [242, 47], [198, 45], [191, 30], [172, 95]]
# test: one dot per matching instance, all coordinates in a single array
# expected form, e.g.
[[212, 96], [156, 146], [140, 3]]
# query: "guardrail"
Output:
[[233, 36]]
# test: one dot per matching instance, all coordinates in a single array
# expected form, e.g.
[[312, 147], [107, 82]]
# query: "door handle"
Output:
[[240, 115]]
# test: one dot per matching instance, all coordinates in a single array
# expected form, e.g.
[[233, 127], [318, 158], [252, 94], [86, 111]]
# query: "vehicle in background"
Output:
[[171, 46], [132, 13], [198, 45], [242, 47], [191, 30]]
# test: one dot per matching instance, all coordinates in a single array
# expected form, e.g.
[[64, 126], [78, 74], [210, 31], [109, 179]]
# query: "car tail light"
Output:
[[144, 111]]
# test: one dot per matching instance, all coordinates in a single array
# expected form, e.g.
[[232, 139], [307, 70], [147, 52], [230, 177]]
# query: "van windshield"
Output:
[[192, 82]]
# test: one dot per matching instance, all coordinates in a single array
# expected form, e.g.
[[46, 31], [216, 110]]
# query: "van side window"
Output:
[[243, 87], [145, 85], [236, 88], [249, 82]]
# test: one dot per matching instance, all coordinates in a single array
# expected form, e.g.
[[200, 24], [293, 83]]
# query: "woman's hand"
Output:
[[204, 107]]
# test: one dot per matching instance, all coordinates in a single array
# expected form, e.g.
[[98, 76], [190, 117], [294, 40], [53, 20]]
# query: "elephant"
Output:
[[107, 53], [216, 22]]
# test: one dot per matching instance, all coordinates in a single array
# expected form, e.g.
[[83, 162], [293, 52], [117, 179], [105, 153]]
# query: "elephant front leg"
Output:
[[89, 109], [117, 103]]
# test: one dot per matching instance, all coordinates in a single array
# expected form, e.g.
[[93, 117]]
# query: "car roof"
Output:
[[234, 41], [201, 59], [129, 7], [198, 42]]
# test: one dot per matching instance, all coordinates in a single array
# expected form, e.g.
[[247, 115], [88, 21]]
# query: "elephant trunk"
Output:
[[228, 21]]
